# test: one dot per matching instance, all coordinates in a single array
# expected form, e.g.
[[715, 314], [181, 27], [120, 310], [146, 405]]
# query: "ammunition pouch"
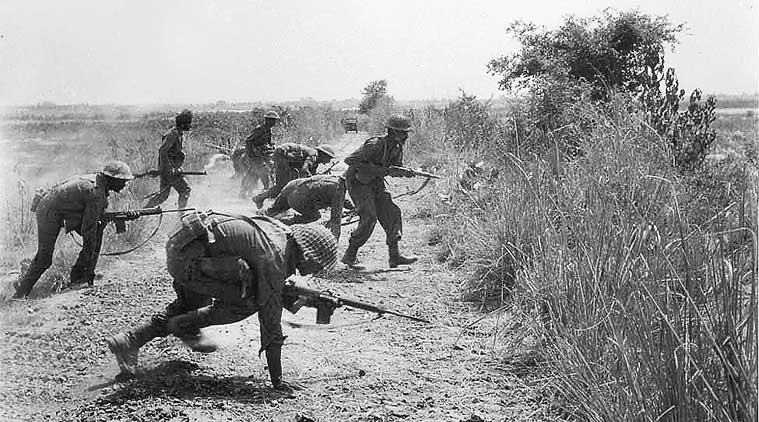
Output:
[[195, 225]]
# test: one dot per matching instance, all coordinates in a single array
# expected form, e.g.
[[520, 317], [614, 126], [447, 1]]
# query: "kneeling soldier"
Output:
[[225, 269], [76, 204], [293, 161], [307, 196]]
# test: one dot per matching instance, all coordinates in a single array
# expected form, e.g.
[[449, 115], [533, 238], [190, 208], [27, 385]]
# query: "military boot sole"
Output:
[[125, 362]]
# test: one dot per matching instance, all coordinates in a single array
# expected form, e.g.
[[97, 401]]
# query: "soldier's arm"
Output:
[[92, 230], [361, 159]]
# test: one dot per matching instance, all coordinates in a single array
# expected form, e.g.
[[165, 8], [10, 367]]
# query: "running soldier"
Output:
[[308, 196], [170, 159], [258, 150], [76, 204], [225, 269], [293, 161], [365, 179]]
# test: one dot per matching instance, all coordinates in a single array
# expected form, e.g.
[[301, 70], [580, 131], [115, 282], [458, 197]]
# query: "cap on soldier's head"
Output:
[[271, 114], [327, 150], [118, 170], [184, 117], [398, 123], [317, 243]]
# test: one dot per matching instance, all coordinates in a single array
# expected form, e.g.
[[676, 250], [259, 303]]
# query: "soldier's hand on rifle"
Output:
[[132, 215]]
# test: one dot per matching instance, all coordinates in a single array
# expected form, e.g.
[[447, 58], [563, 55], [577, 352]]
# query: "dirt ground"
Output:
[[57, 367]]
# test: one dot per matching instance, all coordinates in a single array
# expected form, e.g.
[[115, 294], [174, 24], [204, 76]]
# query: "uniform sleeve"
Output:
[[168, 144], [361, 155]]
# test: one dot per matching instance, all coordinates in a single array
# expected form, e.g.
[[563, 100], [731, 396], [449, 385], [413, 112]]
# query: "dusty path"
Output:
[[56, 367]]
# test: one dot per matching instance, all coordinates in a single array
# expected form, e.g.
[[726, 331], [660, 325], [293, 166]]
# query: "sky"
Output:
[[191, 51]]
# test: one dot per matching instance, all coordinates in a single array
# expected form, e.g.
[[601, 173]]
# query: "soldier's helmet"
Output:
[[118, 170], [399, 123], [317, 243], [271, 114], [184, 117], [327, 150]]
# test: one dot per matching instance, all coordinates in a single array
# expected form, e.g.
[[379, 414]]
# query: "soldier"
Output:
[[76, 204], [258, 149], [225, 269], [365, 179], [307, 196], [170, 160], [293, 161]]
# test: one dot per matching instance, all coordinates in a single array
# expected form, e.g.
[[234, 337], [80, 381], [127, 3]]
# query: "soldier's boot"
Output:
[[185, 327], [182, 201], [127, 355], [397, 259], [349, 257]]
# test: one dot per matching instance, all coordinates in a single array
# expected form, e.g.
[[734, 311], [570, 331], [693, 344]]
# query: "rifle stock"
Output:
[[326, 302]]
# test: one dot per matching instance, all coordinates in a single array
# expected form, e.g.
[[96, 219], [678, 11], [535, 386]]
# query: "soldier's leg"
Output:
[[162, 195], [48, 227], [126, 345], [183, 189], [363, 198], [389, 216]]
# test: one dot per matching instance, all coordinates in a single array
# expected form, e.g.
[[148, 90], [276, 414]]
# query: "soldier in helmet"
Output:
[[225, 269], [365, 178], [258, 149], [307, 196], [170, 159], [76, 204], [293, 161]]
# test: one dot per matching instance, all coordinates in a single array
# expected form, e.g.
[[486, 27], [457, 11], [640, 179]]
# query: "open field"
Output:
[[510, 276]]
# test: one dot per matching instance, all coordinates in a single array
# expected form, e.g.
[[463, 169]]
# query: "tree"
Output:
[[373, 93], [614, 51]]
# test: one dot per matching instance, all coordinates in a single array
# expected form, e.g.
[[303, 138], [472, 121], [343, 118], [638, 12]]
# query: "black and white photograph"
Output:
[[427, 211]]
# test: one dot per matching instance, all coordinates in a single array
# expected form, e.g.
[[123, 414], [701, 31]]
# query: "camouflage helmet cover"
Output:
[[317, 243], [118, 170], [399, 123], [271, 114], [327, 150]]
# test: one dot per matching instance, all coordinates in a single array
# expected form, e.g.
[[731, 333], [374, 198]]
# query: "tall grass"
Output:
[[645, 284]]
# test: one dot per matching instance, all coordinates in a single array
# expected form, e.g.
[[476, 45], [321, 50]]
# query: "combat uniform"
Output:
[[76, 204], [171, 156], [291, 161], [366, 187], [233, 271], [307, 196], [258, 147]]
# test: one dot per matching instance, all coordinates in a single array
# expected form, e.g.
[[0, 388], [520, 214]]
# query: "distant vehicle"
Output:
[[350, 124]]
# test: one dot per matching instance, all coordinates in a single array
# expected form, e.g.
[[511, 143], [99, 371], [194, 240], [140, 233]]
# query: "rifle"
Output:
[[415, 172], [156, 173], [221, 148], [119, 218], [336, 162], [326, 302]]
